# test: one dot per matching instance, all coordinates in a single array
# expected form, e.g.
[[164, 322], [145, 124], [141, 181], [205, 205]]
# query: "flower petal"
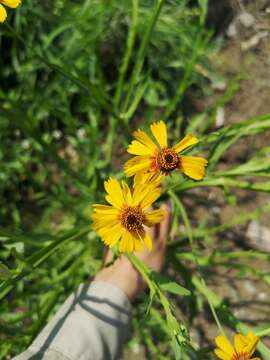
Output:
[[148, 241], [127, 242], [147, 178], [224, 344], [150, 198], [143, 138], [11, 3], [187, 141], [159, 130], [252, 342], [192, 166], [138, 245], [3, 14], [126, 193], [137, 164], [239, 344], [105, 209], [145, 195], [111, 235], [154, 217], [137, 148], [103, 220], [221, 355], [131, 242], [115, 195]]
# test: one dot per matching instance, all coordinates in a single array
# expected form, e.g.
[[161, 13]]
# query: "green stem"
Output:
[[185, 81], [182, 209], [222, 182], [129, 48], [141, 53]]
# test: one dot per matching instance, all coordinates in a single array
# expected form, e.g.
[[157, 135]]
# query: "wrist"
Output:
[[123, 275]]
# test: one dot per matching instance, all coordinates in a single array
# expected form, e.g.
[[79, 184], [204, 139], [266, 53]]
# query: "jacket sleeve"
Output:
[[92, 324]]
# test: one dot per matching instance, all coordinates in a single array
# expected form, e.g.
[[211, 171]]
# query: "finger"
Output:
[[161, 229], [165, 224]]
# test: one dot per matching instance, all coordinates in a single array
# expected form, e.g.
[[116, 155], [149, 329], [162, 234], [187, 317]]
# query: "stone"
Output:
[[246, 19]]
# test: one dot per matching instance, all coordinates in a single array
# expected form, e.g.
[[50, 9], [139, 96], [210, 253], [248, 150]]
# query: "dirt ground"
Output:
[[245, 52]]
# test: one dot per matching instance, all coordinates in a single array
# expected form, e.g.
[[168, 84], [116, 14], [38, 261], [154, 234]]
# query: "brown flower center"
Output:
[[132, 217], [241, 356], [167, 160]]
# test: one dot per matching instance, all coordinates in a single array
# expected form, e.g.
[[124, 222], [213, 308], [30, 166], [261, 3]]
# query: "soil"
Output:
[[246, 52]]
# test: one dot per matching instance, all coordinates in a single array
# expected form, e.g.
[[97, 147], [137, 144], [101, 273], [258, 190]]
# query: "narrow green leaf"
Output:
[[5, 273], [141, 52], [169, 285]]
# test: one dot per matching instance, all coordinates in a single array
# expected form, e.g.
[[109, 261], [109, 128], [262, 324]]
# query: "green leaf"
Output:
[[5, 273], [167, 284]]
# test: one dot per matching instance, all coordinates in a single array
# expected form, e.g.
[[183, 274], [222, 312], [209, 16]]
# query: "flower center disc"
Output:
[[167, 160], [131, 218]]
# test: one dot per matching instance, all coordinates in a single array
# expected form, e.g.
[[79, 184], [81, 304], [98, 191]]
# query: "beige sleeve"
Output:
[[92, 324]]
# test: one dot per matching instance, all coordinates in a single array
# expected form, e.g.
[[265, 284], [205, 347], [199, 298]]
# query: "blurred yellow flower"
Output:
[[244, 347], [125, 219], [9, 3], [161, 159]]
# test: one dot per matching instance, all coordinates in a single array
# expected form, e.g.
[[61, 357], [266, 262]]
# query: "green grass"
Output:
[[76, 78]]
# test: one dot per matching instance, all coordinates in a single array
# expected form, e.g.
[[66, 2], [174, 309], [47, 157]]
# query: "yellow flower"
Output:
[[161, 159], [244, 347], [9, 3], [126, 218]]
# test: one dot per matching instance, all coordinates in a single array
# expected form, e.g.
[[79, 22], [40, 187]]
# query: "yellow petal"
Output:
[[147, 178], [221, 355], [113, 234], [245, 343], [131, 242], [252, 342], [106, 229], [127, 242], [115, 195], [137, 148], [143, 138], [239, 342], [140, 178], [150, 198], [148, 241], [145, 195], [159, 130], [101, 220], [154, 217], [224, 344], [3, 14], [139, 192], [192, 166], [105, 209], [187, 141], [137, 164], [11, 3], [126, 193], [138, 245]]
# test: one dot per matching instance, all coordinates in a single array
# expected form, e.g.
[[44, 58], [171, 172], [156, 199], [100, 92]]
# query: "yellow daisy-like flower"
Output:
[[125, 219], [244, 347], [161, 159], [9, 3]]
